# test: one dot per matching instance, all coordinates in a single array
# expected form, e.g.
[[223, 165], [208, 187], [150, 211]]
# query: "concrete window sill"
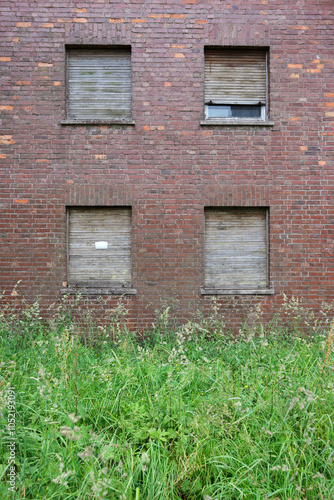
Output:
[[221, 291], [98, 291], [97, 122], [237, 122]]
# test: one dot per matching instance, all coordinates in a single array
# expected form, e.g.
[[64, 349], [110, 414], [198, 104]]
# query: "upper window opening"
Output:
[[99, 83], [235, 83]]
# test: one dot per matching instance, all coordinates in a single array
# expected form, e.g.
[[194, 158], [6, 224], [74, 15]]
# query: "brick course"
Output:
[[167, 166]]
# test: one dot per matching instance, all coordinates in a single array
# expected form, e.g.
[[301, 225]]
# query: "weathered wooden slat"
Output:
[[102, 289], [235, 76], [99, 83], [237, 291], [89, 265], [235, 248]]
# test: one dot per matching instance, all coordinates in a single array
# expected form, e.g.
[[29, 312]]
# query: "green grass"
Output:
[[192, 413]]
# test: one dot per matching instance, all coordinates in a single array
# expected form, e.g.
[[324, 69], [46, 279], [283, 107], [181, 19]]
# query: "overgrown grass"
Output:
[[192, 413]]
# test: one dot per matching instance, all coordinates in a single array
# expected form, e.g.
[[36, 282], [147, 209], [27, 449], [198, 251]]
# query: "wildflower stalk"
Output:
[[328, 345]]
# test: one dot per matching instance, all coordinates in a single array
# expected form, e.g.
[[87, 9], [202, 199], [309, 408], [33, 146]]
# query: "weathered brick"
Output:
[[23, 201], [168, 166], [6, 139]]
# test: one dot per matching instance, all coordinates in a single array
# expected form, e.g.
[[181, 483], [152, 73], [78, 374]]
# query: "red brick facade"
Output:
[[167, 166]]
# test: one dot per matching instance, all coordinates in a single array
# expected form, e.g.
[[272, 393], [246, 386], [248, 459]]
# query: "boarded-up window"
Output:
[[99, 83], [235, 82], [236, 248], [99, 247]]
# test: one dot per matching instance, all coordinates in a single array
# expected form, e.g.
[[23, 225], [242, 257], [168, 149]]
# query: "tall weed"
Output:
[[188, 412]]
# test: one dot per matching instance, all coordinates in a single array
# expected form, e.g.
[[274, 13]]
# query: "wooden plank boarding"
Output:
[[99, 83], [236, 248], [88, 266], [235, 76]]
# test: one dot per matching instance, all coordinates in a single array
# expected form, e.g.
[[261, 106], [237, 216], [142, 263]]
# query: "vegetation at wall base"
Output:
[[187, 412]]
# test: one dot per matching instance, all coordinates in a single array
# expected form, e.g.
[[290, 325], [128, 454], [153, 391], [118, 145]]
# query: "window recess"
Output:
[[236, 251], [99, 248], [98, 85], [236, 84]]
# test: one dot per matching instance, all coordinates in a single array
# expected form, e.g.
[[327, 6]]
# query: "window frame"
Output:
[[263, 113], [96, 120], [225, 290], [263, 120]]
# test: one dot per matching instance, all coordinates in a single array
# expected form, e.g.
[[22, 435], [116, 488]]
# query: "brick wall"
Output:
[[167, 166]]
